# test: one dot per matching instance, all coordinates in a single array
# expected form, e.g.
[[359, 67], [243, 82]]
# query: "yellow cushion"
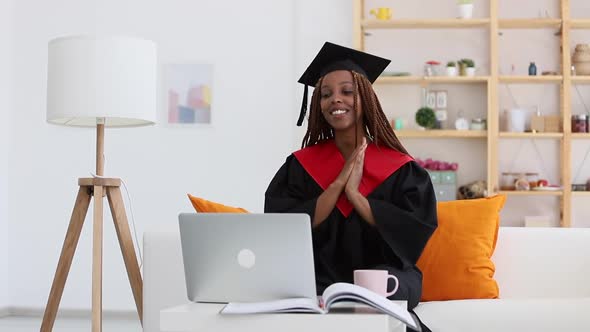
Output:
[[456, 262], [205, 206]]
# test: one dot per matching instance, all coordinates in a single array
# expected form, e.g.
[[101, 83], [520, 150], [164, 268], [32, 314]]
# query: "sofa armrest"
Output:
[[543, 262], [163, 275]]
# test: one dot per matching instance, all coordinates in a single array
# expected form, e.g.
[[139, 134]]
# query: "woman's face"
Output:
[[337, 100]]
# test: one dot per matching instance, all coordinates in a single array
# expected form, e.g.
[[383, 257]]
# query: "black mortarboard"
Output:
[[335, 57]]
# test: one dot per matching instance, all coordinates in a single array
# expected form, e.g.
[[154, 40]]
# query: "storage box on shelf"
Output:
[[445, 184]]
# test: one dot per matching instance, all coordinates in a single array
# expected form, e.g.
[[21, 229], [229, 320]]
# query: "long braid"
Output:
[[376, 124], [374, 118], [318, 128]]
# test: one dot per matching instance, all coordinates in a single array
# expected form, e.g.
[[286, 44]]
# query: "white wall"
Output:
[[6, 109], [251, 46], [259, 49], [315, 23]]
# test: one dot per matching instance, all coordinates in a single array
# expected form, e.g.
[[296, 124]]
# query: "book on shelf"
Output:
[[337, 292]]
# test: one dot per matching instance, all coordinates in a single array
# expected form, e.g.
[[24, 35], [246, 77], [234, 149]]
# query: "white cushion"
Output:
[[164, 284], [543, 262], [506, 315]]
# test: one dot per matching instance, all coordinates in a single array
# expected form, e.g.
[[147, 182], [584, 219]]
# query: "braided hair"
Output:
[[376, 125]]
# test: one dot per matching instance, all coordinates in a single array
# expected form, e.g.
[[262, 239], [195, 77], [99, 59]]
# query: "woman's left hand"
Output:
[[352, 186]]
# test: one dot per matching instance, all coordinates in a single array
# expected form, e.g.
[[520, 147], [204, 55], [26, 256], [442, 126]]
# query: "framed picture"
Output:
[[431, 99], [187, 89], [441, 99]]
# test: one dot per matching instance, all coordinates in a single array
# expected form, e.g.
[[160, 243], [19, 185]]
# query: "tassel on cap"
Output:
[[303, 107]]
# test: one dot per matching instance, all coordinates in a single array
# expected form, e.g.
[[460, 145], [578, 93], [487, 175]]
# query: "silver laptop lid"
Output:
[[247, 257]]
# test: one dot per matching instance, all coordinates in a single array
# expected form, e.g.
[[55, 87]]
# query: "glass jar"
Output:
[[521, 182], [580, 123], [432, 68], [507, 181], [533, 179], [478, 124], [428, 70]]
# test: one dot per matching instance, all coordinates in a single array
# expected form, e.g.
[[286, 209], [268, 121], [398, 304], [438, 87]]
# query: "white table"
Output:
[[344, 317]]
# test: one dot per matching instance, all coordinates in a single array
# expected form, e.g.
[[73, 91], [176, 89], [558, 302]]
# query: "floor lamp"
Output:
[[99, 82]]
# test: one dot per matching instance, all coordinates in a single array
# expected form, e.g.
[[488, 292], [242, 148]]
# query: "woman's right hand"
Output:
[[342, 178]]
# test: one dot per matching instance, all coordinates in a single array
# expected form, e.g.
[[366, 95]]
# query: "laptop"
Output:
[[247, 257]]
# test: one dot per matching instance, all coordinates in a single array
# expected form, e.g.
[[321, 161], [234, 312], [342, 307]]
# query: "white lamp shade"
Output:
[[93, 78]]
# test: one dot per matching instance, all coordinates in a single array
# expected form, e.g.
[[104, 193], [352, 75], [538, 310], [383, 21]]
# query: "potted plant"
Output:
[[465, 8], [426, 118], [451, 68], [466, 67], [470, 67]]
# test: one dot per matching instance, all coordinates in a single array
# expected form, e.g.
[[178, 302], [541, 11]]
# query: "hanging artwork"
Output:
[[188, 93]]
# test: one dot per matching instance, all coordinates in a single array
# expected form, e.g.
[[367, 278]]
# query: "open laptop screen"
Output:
[[247, 257]]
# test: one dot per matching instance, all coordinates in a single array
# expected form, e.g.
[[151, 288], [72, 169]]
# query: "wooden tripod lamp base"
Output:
[[85, 89], [96, 187]]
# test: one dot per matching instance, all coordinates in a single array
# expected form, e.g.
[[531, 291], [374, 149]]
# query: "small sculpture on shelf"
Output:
[[473, 190], [581, 60], [532, 69], [382, 13]]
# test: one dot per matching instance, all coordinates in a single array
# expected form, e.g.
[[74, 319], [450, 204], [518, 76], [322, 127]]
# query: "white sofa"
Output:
[[543, 274]]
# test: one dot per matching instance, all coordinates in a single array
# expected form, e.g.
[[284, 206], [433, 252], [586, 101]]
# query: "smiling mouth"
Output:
[[338, 112]]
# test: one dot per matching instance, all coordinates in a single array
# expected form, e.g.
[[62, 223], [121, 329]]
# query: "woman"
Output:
[[371, 205]]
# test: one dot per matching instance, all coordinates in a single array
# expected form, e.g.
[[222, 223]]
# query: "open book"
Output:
[[334, 293]]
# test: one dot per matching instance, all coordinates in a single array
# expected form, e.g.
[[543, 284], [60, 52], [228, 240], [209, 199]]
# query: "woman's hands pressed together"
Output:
[[358, 161], [351, 189], [348, 181]]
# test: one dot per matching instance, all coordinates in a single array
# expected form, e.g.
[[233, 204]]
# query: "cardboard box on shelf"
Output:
[[552, 124]]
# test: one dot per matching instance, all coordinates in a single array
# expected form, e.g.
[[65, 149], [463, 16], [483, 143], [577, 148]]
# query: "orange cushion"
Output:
[[456, 262], [205, 206]]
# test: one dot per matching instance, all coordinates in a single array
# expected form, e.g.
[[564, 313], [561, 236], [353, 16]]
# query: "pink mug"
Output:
[[375, 280]]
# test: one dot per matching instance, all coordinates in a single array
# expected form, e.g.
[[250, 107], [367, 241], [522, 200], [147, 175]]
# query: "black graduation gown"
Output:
[[404, 208]]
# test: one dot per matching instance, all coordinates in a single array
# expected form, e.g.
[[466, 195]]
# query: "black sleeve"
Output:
[[405, 212], [289, 190]]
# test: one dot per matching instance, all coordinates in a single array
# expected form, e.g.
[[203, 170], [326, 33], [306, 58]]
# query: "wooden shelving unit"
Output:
[[453, 23], [580, 79], [526, 23], [530, 193], [580, 24], [563, 25], [433, 80], [530, 135], [557, 79], [442, 133]]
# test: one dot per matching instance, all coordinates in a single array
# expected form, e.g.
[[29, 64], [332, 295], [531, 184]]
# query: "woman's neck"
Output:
[[346, 142]]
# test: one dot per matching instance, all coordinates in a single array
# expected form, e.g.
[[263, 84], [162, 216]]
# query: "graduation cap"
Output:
[[335, 57]]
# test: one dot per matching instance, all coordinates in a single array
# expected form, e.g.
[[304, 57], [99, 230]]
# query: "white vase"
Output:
[[451, 71], [470, 71], [466, 10], [517, 120]]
